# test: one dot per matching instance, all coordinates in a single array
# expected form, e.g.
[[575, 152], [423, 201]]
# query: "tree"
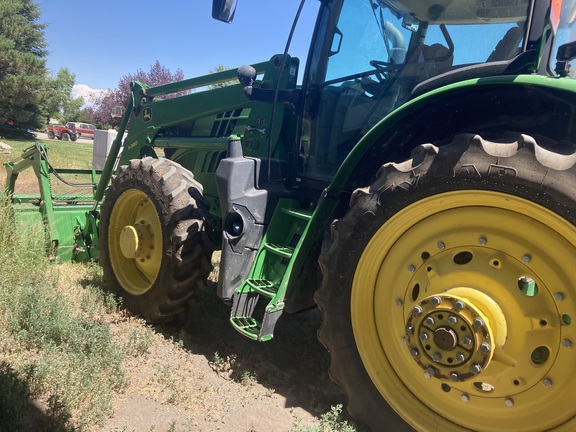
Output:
[[104, 103], [221, 68], [22, 66], [58, 102]]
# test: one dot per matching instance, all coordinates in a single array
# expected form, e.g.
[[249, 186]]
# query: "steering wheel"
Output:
[[382, 68]]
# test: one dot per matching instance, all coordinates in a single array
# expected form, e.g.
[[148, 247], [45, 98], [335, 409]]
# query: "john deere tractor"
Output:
[[414, 176]]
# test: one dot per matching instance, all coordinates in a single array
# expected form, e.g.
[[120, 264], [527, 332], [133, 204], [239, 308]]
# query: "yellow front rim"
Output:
[[135, 241], [462, 308]]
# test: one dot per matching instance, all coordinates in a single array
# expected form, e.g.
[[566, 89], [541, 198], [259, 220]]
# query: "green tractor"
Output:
[[416, 180]]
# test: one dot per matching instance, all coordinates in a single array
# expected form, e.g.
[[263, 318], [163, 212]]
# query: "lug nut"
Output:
[[485, 347], [567, 343], [414, 352], [429, 373], [429, 321], [465, 398], [558, 296], [454, 376], [436, 300], [424, 336], [409, 330], [452, 319], [436, 357], [482, 240], [509, 402], [398, 302], [547, 382], [460, 357], [411, 268], [476, 369], [478, 322], [417, 310], [466, 340], [459, 305]]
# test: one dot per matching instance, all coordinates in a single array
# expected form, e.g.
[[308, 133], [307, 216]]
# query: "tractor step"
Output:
[[280, 249], [299, 213], [263, 286], [270, 273], [242, 309]]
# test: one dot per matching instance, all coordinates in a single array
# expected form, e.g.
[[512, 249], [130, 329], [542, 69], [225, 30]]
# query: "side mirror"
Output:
[[566, 53], [223, 10]]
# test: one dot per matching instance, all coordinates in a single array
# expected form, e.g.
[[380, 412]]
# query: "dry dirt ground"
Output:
[[199, 374]]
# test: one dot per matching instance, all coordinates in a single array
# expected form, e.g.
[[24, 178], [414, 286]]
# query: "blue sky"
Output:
[[100, 41]]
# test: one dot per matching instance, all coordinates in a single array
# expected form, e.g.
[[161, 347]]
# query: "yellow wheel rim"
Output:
[[462, 308], [135, 241]]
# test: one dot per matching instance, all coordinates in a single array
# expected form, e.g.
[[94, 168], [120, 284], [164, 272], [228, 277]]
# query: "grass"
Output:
[[53, 349], [329, 422], [62, 154]]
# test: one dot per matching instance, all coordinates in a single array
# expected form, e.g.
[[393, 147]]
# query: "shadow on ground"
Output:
[[18, 411], [294, 364]]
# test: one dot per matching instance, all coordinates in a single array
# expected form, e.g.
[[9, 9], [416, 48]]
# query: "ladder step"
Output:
[[298, 213], [280, 249], [262, 286], [247, 326]]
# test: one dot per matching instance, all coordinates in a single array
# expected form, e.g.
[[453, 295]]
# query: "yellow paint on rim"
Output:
[[135, 241], [474, 245]]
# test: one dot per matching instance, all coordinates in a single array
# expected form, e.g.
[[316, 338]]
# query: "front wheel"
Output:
[[448, 291], [51, 134], [65, 136], [154, 247]]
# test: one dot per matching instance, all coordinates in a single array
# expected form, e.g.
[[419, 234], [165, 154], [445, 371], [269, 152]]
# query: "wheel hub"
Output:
[[136, 241], [451, 337]]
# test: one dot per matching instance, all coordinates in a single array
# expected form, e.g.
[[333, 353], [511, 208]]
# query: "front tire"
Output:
[[51, 134], [448, 291], [65, 136], [154, 247]]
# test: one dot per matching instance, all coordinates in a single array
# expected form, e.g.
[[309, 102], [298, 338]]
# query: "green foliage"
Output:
[[22, 67], [69, 359], [14, 398], [58, 102], [221, 68], [329, 422]]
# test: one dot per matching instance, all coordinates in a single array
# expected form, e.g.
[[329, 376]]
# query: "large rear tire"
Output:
[[154, 248], [448, 291]]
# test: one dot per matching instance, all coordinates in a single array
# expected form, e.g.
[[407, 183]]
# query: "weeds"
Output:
[[67, 359], [329, 422]]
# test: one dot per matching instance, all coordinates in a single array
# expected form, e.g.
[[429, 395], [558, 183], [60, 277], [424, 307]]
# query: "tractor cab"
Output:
[[373, 56]]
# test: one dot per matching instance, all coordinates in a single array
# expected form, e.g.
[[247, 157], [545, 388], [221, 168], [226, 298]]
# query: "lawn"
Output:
[[61, 154]]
